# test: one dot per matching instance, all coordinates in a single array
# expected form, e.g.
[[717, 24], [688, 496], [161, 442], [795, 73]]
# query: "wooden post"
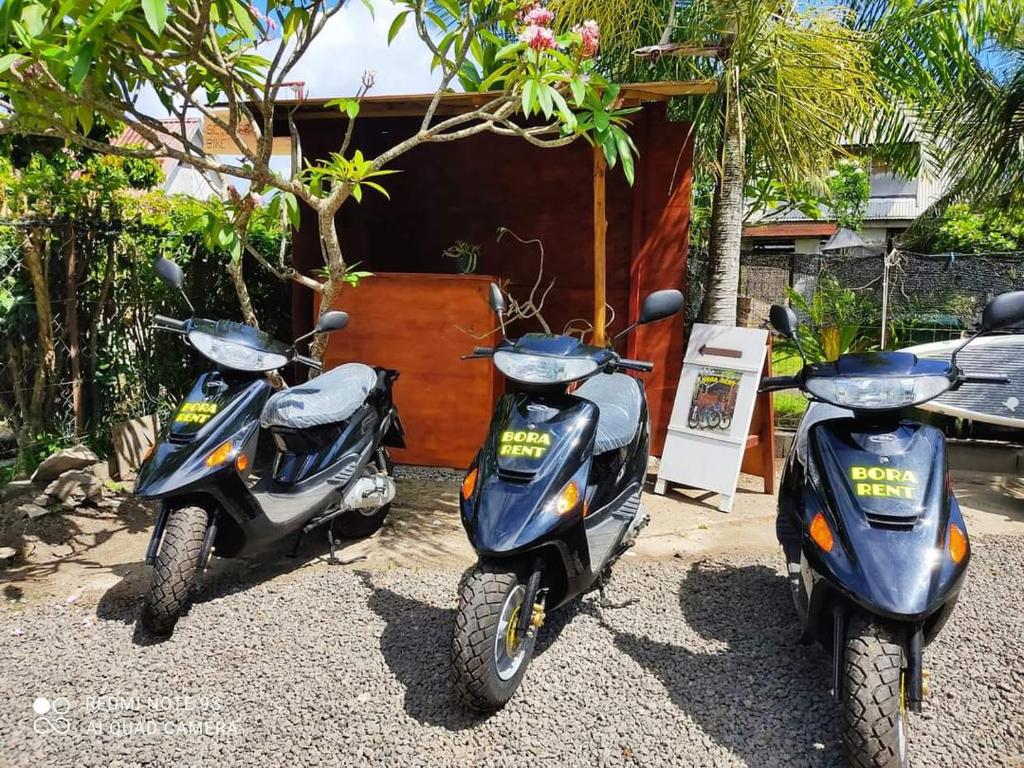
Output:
[[600, 237]]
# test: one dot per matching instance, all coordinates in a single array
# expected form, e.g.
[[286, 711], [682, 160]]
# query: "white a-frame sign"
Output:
[[714, 404]]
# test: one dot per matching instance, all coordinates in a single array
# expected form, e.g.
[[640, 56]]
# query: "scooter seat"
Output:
[[619, 402], [329, 398]]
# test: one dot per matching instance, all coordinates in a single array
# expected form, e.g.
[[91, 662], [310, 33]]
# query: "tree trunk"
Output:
[[74, 348], [726, 228], [244, 300], [46, 357], [335, 275]]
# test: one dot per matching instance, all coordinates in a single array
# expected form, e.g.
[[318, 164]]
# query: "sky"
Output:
[[351, 43]]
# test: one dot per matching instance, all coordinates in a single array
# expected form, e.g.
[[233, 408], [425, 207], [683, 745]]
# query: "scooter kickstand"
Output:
[[333, 559]]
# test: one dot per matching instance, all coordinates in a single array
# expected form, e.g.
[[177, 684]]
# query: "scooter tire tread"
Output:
[[871, 698], [175, 572], [482, 594]]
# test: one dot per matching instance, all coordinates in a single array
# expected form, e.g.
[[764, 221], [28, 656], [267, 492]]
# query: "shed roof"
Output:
[[456, 102]]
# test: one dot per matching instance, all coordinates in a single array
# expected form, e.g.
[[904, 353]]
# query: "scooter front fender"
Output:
[[535, 447], [180, 468]]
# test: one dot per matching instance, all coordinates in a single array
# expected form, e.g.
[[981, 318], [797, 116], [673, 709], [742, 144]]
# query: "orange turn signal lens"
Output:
[[568, 498], [220, 454], [469, 484], [957, 543], [821, 533], [242, 462]]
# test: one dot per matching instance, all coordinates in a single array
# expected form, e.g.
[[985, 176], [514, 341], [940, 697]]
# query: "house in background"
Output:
[[179, 178], [894, 204]]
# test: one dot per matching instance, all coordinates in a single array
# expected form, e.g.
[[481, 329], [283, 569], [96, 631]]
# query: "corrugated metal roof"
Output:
[[129, 137]]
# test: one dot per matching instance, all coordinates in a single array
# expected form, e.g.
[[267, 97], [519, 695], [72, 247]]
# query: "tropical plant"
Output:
[[849, 188], [962, 228], [66, 66], [835, 319]]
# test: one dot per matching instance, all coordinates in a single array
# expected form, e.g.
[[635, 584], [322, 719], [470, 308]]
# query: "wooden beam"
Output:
[[600, 242], [681, 50]]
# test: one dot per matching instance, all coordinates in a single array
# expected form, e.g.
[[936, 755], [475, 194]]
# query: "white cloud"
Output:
[[353, 42]]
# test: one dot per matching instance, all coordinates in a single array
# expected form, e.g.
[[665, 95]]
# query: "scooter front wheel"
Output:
[[489, 654], [175, 573], [874, 708]]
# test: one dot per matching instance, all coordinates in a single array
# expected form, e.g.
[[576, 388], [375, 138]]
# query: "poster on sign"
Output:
[[714, 405]]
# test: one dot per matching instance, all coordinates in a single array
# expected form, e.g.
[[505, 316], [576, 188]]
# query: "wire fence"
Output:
[[860, 302]]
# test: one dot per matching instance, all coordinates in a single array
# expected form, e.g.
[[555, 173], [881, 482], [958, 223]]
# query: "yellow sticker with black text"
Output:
[[527, 443], [884, 482], [195, 413]]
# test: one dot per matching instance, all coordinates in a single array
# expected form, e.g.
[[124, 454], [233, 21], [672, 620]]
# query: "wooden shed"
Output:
[[418, 315]]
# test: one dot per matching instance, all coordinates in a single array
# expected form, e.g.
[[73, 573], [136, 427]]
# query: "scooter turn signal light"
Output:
[[220, 454], [469, 484], [568, 498], [957, 543], [242, 462], [821, 533]]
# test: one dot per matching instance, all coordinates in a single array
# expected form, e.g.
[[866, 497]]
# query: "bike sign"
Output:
[[714, 405]]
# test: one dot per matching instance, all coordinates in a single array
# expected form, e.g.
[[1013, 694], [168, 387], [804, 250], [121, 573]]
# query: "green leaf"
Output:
[[82, 66], [291, 205], [352, 109], [544, 98], [601, 120], [625, 149], [357, 192], [32, 17], [396, 25], [370, 8], [156, 14], [563, 109], [579, 90], [529, 96], [378, 187], [6, 62], [507, 51]]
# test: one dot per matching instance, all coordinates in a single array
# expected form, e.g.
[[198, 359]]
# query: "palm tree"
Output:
[[795, 79]]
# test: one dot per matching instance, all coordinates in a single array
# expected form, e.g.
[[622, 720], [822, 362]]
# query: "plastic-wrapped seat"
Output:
[[329, 398], [619, 402]]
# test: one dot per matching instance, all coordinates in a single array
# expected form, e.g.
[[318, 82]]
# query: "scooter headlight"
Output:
[[540, 369], [876, 392], [235, 356]]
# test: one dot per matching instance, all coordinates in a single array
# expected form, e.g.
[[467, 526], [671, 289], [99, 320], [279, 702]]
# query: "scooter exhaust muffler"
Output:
[[369, 492]]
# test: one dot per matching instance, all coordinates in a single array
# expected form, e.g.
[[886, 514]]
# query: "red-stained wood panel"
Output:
[[660, 235], [420, 325]]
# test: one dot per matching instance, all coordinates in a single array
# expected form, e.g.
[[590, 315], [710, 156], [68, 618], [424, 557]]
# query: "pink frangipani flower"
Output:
[[540, 16], [591, 36], [537, 37]]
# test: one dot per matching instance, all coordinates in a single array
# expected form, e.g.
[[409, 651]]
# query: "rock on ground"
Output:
[[697, 666], [78, 457]]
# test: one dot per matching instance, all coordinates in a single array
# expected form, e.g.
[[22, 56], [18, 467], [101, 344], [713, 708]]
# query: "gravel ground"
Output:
[[327, 665]]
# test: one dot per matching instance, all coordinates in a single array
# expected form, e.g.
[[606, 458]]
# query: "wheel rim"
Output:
[[509, 647]]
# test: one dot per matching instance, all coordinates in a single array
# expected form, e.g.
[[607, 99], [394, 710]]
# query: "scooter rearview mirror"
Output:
[[171, 274], [660, 304], [497, 302], [783, 320], [495, 299], [331, 321], [1005, 309]]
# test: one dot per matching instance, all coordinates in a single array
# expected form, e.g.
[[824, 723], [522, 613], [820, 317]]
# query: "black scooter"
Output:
[[552, 499], [329, 465], [875, 544]]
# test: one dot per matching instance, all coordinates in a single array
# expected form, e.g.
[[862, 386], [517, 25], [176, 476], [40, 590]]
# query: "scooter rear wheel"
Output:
[[175, 573], [489, 657], [874, 711]]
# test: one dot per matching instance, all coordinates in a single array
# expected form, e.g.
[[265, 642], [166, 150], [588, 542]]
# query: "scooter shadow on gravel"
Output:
[[422, 663], [123, 601], [765, 704]]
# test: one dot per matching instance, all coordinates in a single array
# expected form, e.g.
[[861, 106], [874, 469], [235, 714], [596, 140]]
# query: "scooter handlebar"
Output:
[[982, 378], [772, 383], [170, 324], [635, 365], [308, 361]]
